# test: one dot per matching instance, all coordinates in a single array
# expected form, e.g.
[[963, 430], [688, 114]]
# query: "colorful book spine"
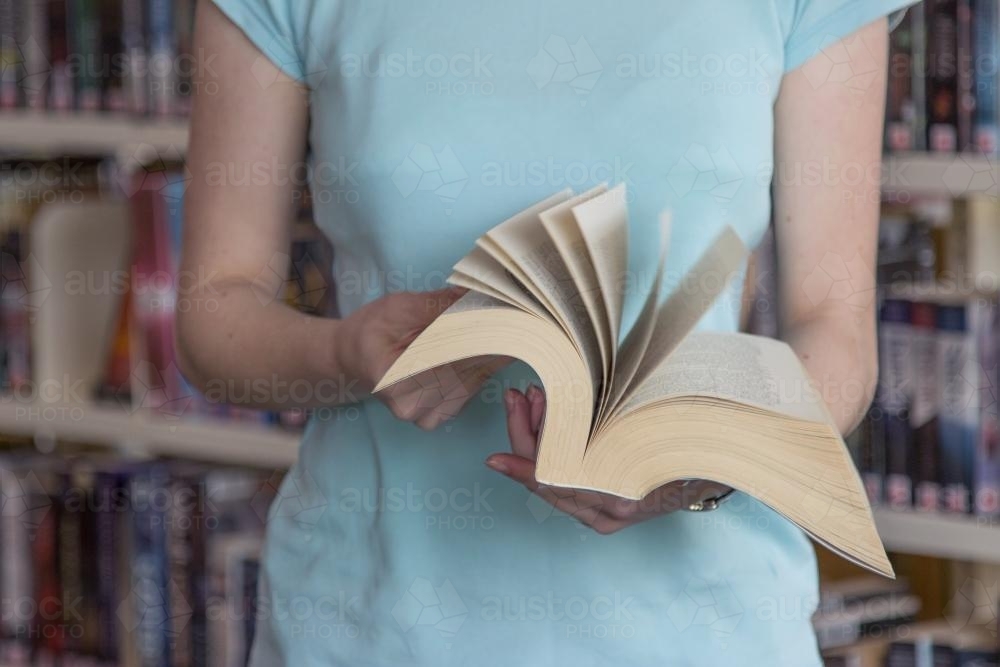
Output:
[[942, 75], [135, 71], [959, 401], [162, 56], [85, 40], [61, 90], [917, 16], [966, 74], [149, 568], [986, 485], [923, 409], [986, 41], [894, 390], [900, 107]]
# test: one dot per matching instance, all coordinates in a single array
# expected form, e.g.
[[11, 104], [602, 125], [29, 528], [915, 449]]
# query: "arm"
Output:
[[237, 340], [827, 228]]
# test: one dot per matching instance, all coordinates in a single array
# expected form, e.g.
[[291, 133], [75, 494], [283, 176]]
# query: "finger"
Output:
[[536, 398], [454, 390], [522, 438]]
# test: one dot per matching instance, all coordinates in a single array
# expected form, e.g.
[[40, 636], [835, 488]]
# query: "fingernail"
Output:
[[509, 399], [498, 466], [534, 393]]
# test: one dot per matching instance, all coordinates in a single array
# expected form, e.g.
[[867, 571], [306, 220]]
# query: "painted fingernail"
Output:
[[498, 465], [510, 400], [534, 393]]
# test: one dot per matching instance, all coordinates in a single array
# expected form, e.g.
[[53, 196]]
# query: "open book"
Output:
[[665, 403]]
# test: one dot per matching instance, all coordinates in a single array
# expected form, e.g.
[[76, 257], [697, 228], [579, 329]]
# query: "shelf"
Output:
[[221, 442], [960, 175], [957, 537], [33, 133]]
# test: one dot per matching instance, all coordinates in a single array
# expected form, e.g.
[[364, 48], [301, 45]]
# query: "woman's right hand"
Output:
[[373, 337]]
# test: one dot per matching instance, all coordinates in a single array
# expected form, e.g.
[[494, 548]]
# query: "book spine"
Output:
[[199, 575], [108, 494], [112, 49], [61, 94], [35, 66], [46, 634], [186, 61], [942, 75], [899, 108], [986, 467], [10, 53], [958, 403], [923, 410], [894, 397], [985, 132], [135, 70], [966, 74], [162, 56], [70, 568], [918, 32], [16, 572], [14, 316], [149, 569], [85, 37], [180, 517]]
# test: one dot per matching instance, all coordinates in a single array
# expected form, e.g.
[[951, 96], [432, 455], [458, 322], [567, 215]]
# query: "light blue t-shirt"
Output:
[[432, 121]]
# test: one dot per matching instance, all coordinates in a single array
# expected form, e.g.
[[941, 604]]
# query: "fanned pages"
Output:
[[628, 414]]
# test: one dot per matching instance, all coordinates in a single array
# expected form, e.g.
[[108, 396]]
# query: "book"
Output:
[[923, 408], [85, 47], [893, 399], [741, 409], [900, 108], [942, 75], [986, 47]]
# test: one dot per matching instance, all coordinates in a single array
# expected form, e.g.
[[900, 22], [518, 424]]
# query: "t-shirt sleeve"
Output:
[[816, 24], [271, 26]]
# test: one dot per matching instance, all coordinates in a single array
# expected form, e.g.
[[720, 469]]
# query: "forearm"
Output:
[[238, 348], [843, 363]]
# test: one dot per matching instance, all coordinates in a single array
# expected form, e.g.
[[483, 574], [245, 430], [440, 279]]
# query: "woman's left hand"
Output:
[[604, 513]]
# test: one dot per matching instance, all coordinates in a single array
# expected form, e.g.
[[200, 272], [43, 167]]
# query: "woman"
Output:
[[426, 123]]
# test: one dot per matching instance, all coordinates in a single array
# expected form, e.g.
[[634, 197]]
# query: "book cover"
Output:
[[986, 48], [923, 410], [894, 395], [958, 401], [942, 75]]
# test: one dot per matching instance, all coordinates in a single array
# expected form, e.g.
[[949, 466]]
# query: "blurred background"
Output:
[[134, 508]]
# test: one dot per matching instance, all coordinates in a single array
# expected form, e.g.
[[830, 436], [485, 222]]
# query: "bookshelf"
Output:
[[151, 435], [955, 175], [32, 133], [958, 537]]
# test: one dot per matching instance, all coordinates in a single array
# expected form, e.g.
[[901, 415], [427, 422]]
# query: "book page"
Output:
[[749, 369], [689, 302], [633, 348], [562, 229], [603, 226], [480, 271], [531, 249]]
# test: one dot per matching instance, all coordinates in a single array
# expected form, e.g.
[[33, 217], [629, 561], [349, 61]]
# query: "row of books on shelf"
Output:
[[132, 56], [141, 369], [931, 441], [128, 563], [874, 622], [943, 77]]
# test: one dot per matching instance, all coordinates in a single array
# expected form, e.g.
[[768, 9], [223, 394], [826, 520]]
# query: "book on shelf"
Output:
[[740, 409], [133, 563]]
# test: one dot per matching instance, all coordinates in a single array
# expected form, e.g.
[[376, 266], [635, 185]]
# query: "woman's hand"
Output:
[[372, 338], [604, 513]]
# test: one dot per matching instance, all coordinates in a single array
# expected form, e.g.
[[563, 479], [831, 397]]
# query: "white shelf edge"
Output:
[[31, 132], [236, 443], [956, 175], [958, 537]]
